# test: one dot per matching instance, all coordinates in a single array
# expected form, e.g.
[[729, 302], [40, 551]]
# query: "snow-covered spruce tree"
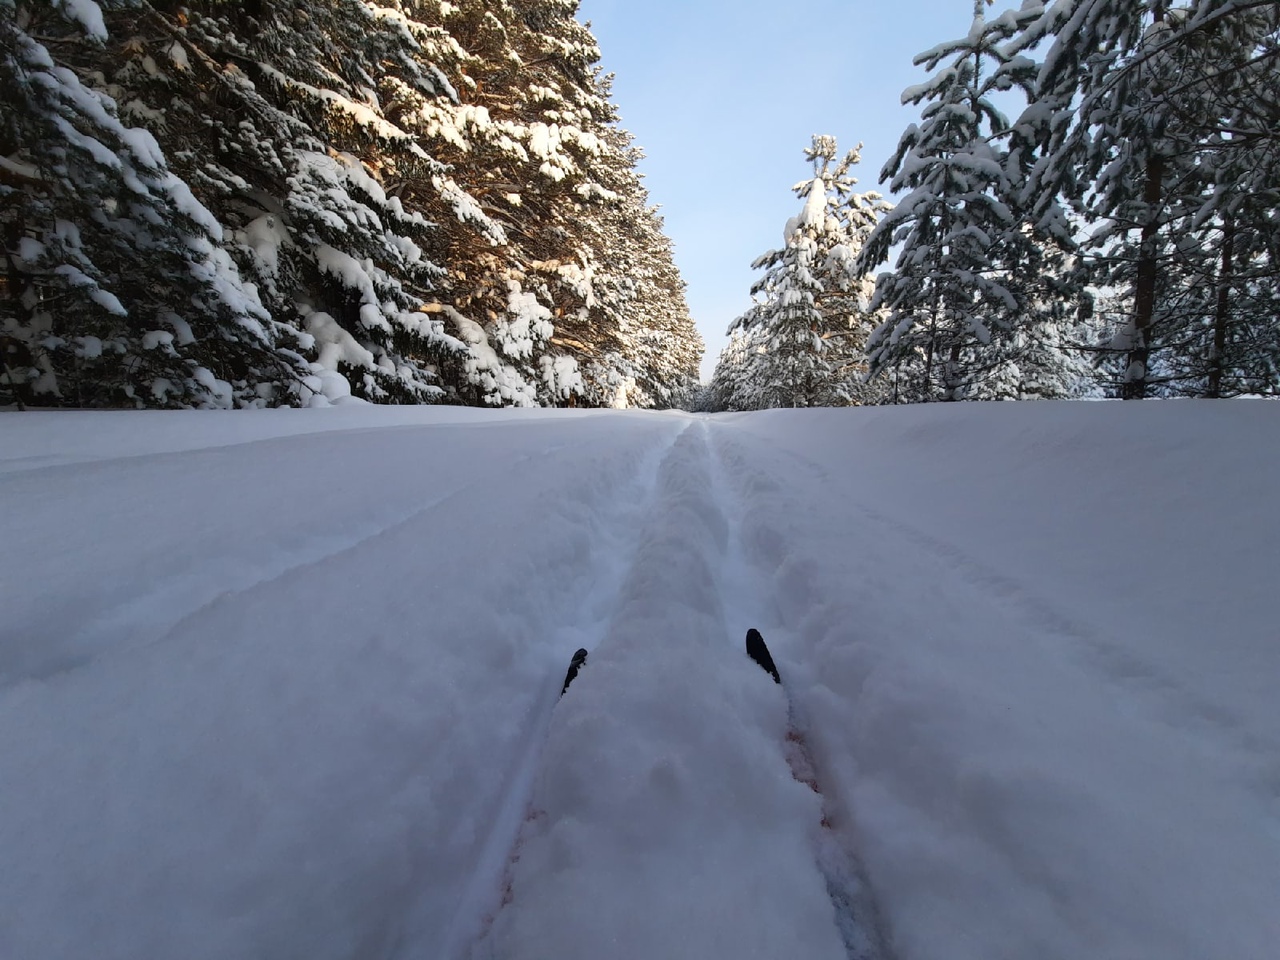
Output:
[[521, 141], [415, 189], [543, 293], [660, 340], [804, 333], [1219, 285], [737, 382], [959, 287], [647, 348], [1157, 123], [274, 113], [117, 290]]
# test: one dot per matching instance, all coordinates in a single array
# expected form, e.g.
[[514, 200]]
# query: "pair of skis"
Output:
[[855, 910], [756, 650]]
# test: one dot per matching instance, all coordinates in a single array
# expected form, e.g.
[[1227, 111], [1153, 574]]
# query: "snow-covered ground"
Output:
[[284, 684]]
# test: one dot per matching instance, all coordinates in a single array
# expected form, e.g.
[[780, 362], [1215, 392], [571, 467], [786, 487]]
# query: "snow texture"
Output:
[[284, 683]]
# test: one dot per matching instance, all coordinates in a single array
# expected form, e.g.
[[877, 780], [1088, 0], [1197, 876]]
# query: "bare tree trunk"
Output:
[[18, 283], [1222, 311], [926, 394], [1144, 299], [950, 379]]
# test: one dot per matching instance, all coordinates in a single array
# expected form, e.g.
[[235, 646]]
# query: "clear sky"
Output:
[[723, 95]]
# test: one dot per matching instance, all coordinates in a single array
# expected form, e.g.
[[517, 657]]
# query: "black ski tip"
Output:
[[578, 660], [758, 652]]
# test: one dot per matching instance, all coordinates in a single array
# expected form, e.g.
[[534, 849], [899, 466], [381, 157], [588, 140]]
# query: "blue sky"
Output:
[[723, 95]]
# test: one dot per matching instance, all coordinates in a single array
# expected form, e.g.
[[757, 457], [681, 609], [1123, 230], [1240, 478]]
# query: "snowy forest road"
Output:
[[665, 821], [284, 684]]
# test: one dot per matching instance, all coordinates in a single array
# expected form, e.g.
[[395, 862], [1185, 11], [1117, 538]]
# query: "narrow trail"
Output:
[[487, 887], [666, 751], [480, 898], [172, 603], [173, 600], [856, 913]]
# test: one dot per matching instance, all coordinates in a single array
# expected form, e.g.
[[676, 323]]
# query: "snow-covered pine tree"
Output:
[[545, 292], [521, 141], [274, 113], [662, 343], [598, 222], [1156, 123], [953, 299], [804, 333], [414, 190], [736, 383], [1221, 278], [117, 289], [647, 348]]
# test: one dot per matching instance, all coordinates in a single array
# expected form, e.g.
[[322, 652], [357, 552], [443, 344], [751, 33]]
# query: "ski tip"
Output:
[[759, 652], [579, 658]]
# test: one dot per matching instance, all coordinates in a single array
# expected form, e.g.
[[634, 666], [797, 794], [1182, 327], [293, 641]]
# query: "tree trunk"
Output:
[[1144, 299], [926, 392], [950, 376], [1222, 311], [18, 283]]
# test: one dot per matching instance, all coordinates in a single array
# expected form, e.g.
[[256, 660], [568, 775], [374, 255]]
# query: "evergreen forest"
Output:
[[285, 202], [291, 202], [1089, 206]]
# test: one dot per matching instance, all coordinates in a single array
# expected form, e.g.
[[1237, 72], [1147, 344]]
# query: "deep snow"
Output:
[[284, 683]]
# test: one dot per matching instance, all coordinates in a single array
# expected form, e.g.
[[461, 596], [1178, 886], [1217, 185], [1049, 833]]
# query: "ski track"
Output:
[[119, 429], [154, 615], [674, 804], [856, 914], [697, 516], [1048, 624], [483, 893]]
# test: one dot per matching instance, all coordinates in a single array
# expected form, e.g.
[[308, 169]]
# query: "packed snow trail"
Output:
[[486, 886], [666, 823], [749, 578], [282, 684]]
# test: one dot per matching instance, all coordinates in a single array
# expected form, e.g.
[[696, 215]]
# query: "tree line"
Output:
[[1089, 205], [207, 203]]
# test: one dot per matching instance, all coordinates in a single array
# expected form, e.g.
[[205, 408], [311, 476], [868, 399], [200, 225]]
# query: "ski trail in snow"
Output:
[[1047, 622], [150, 618], [1170, 699], [153, 616], [667, 822], [855, 912], [481, 896], [486, 887], [857, 915]]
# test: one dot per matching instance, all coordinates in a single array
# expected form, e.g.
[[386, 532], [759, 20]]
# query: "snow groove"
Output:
[[664, 821], [205, 566], [314, 766], [152, 617], [617, 536], [1142, 678], [755, 544]]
